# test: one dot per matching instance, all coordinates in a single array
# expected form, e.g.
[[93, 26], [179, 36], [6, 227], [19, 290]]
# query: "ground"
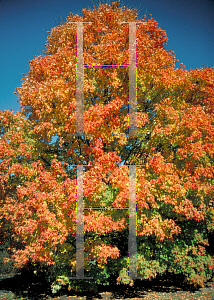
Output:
[[17, 286]]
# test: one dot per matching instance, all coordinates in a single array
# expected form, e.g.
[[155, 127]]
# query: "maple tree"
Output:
[[175, 150]]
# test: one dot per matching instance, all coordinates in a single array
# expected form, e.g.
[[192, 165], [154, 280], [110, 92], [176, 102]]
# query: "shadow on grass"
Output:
[[25, 286]]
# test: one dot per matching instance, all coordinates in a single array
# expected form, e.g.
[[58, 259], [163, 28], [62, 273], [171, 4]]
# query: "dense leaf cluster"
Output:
[[175, 147]]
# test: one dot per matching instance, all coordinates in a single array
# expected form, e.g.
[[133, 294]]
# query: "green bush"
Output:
[[5, 268]]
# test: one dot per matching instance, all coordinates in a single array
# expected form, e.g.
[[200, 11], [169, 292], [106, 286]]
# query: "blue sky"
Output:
[[189, 25]]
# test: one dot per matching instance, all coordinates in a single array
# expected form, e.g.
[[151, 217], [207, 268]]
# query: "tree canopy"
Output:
[[174, 151]]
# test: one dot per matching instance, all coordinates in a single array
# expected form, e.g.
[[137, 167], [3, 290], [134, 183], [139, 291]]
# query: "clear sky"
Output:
[[189, 25]]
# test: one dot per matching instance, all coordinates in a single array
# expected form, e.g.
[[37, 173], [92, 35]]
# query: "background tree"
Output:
[[174, 185]]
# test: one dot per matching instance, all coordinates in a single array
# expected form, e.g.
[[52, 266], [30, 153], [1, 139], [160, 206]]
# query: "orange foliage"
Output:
[[175, 118]]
